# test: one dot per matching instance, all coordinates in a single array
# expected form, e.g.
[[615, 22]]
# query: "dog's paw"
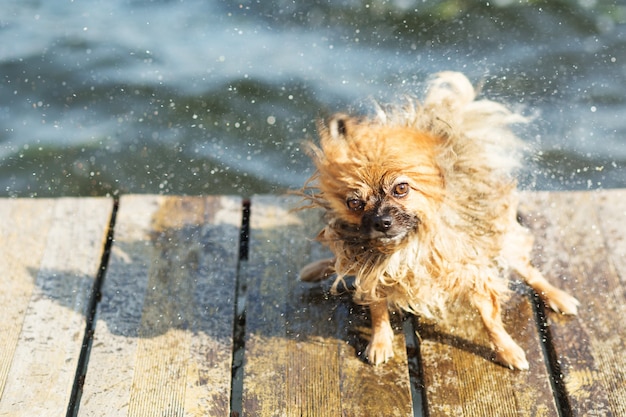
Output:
[[562, 302], [512, 356], [380, 348], [317, 271]]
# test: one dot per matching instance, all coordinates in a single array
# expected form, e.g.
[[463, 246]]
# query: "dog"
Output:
[[420, 206]]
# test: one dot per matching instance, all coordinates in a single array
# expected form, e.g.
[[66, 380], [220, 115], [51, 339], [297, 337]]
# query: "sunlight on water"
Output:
[[190, 97]]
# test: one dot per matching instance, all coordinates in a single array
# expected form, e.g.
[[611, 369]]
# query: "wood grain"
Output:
[[461, 378], [163, 339], [303, 345], [50, 253], [580, 248]]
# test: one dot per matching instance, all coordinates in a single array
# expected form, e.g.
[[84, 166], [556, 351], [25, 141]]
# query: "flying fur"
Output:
[[457, 229]]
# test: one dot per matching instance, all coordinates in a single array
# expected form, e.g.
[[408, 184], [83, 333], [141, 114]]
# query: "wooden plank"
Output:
[[612, 217], [573, 230], [303, 344], [163, 340], [50, 253], [23, 227], [461, 378]]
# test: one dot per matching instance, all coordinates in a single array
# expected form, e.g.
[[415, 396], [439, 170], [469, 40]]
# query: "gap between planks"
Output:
[[163, 340], [50, 251], [578, 380], [90, 327]]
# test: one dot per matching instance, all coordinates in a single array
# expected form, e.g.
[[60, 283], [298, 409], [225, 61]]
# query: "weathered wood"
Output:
[[163, 340], [50, 252], [580, 248], [612, 215], [461, 377], [303, 345]]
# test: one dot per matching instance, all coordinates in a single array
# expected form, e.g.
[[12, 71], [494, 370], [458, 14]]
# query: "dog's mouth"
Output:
[[367, 236], [390, 240]]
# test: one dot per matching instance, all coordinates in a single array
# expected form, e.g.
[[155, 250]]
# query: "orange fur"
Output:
[[421, 209]]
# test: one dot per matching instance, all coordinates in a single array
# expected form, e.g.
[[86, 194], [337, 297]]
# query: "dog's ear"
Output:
[[338, 126]]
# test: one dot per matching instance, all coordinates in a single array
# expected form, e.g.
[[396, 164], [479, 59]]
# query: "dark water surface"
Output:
[[193, 97]]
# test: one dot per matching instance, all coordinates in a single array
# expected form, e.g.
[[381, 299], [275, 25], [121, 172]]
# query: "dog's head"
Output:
[[379, 181]]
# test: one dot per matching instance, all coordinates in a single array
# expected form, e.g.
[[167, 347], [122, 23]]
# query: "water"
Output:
[[194, 97]]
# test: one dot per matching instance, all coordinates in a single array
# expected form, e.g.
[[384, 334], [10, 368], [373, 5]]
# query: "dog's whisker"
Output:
[[420, 207]]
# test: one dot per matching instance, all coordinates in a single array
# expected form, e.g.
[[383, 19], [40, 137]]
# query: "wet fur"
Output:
[[451, 237]]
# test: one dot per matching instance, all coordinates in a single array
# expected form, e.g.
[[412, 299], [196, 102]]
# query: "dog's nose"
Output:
[[382, 223]]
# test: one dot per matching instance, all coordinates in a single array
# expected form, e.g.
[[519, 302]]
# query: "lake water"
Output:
[[194, 97]]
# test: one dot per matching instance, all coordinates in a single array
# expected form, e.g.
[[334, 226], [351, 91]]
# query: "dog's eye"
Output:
[[401, 190], [355, 204]]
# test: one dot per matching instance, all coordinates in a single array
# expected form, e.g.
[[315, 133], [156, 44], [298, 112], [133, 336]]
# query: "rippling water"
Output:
[[193, 97]]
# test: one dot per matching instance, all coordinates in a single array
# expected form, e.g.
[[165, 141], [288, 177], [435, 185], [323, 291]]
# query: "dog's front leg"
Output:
[[380, 348]]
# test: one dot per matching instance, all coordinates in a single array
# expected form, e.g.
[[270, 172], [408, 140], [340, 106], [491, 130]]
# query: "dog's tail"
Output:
[[476, 130]]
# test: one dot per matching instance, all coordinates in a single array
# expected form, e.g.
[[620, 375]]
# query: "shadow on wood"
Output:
[[163, 338]]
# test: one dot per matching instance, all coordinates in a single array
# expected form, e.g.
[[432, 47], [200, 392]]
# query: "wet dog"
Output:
[[421, 208]]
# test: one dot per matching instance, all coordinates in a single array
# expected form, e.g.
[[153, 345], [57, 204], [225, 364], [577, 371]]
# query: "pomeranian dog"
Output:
[[421, 208]]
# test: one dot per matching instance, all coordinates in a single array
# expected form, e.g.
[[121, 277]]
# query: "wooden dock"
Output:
[[191, 306]]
